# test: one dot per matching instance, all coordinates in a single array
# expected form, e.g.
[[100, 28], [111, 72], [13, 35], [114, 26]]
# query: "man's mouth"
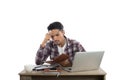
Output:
[[56, 41]]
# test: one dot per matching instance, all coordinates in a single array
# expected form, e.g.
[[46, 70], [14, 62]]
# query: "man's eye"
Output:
[[57, 34], [51, 36]]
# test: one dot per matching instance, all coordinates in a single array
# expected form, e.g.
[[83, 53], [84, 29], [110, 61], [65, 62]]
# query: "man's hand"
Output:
[[47, 38]]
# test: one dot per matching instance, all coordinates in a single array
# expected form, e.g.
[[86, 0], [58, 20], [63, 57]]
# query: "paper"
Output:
[[42, 67]]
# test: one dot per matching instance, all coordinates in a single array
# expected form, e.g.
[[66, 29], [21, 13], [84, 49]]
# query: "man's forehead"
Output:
[[52, 32]]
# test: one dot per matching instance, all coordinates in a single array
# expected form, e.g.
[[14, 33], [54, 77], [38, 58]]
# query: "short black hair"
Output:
[[55, 25]]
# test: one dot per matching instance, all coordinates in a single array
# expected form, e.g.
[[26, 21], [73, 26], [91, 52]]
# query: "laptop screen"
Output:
[[87, 60]]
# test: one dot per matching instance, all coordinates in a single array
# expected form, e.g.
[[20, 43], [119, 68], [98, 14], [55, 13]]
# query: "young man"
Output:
[[56, 43]]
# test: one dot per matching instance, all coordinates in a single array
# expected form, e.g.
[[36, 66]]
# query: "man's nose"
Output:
[[55, 37]]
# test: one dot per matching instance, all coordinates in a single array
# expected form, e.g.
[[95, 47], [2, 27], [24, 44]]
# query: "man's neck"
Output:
[[63, 43]]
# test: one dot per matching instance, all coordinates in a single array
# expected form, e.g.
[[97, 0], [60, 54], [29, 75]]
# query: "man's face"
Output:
[[57, 36]]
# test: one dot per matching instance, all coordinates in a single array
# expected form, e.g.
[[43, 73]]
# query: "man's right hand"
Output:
[[47, 38]]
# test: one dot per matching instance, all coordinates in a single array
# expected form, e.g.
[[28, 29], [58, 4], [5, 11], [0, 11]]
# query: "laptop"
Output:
[[84, 61]]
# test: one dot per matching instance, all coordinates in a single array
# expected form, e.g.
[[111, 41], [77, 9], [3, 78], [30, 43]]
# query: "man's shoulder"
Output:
[[72, 41]]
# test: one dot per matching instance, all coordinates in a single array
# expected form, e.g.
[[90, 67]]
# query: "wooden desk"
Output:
[[86, 75]]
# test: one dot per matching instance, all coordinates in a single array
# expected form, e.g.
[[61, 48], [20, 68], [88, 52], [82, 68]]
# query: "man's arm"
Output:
[[74, 47], [39, 57], [43, 51], [81, 48], [42, 54]]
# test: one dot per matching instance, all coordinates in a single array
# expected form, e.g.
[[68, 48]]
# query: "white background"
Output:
[[23, 24]]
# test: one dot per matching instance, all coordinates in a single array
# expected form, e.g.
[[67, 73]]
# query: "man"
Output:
[[56, 43]]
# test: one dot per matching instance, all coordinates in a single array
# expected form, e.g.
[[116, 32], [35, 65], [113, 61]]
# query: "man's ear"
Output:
[[63, 31]]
